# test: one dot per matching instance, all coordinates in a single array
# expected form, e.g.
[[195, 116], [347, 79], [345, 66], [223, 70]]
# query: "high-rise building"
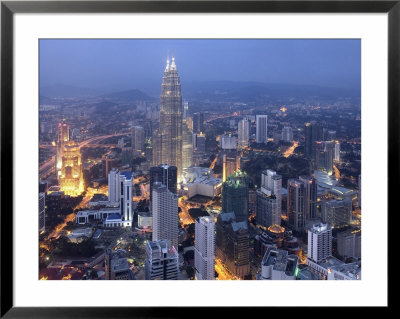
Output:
[[336, 212], [230, 164], [126, 184], [243, 133], [267, 213], [235, 196], [138, 139], [164, 207], [116, 265], [277, 264], [171, 119], [324, 154], [161, 261], [63, 138], [187, 145], [199, 142], [349, 243], [204, 253], [42, 212], [319, 242], [232, 244], [166, 175], [262, 128], [114, 187], [296, 204], [271, 184], [310, 198], [71, 177], [156, 142], [228, 142], [337, 152], [185, 110], [313, 133], [198, 122], [287, 134]]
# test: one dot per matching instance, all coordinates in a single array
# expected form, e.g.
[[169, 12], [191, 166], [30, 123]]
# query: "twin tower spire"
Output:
[[172, 66]]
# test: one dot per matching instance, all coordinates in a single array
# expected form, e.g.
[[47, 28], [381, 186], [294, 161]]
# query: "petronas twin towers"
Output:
[[167, 145]]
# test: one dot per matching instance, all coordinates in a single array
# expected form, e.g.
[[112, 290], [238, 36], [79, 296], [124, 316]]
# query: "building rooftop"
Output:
[[226, 217], [352, 270], [127, 175], [114, 217], [236, 226]]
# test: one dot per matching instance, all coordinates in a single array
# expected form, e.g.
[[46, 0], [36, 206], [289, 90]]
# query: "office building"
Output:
[[349, 243], [271, 184], [138, 140], [267, 213], [166, 175], [164, 208], [185, 110], [243, 133], [71, 176], [204, 253], [199, 143], [171, 119], [277, 264], [296, 204], [337, 212], [230, 164], [313, 132], [262, 129], [42, 212], [324, 154], [235, 196], [198, 122], [161, 261], [116, 265], [336, 157], [114, 187], [319, 242], [228, 142], [62, 139], [232, 244], [287, 134], [126, 184], [187, 145], [350, 271], [310, 185]]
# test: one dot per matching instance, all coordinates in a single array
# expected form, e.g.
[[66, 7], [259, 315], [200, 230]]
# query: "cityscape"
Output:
[[200, 160]]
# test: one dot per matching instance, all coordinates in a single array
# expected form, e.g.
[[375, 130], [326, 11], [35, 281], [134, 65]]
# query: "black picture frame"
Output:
[[9, 8]]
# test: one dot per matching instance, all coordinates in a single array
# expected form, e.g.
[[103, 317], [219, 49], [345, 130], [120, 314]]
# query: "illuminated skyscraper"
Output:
[[198, 120], [71, 177], [138, 139], [171, 119], [63, 138], [310, 198], [235, 196], [230, 164], [313, 133], [296, 204]]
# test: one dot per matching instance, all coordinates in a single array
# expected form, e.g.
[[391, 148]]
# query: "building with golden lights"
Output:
[[63, 138], [71, 177]]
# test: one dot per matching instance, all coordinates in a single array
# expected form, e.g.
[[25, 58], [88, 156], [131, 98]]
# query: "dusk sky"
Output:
[[116, 65]]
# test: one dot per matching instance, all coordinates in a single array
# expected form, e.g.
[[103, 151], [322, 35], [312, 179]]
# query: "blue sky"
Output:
[[113, 65]]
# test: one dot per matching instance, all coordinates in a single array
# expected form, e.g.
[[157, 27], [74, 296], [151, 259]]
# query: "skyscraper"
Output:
[[63, 138], [310, 185], [71, 177], [199, 143], [296, 204], [166, 175], [232, 244], [319, 242], [271, 184], [126, 184], [243, 133], [198, 120], [137, 140], [313, 133], [324, 154], [116, 265], [114, 188], [171, 118], [235, 196], [230, 164], [337, 212], [164, 207], [161, 261], [287, 134], [42, 216], [267, 211], [204, 253], [261, 128], [187, 139]]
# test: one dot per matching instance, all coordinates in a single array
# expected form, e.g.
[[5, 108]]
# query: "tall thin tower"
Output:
[[171, 118]]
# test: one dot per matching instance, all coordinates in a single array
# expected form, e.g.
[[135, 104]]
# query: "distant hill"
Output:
[[67, 91], [256, 91], [132, 95]]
